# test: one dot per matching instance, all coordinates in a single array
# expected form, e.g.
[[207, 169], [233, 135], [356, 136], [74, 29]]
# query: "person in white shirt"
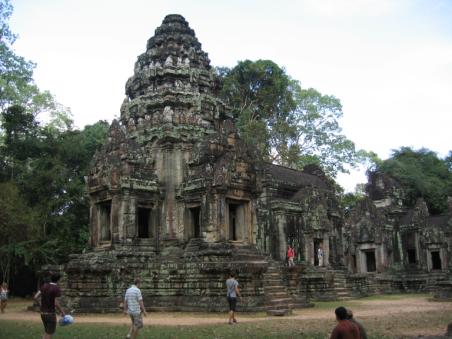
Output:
[[134, 307]]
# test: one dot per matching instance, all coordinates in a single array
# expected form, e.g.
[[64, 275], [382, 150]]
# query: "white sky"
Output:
[[388, 61]]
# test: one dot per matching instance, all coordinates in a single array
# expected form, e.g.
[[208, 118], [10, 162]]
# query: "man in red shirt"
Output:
[[345, 329], [49, 293]]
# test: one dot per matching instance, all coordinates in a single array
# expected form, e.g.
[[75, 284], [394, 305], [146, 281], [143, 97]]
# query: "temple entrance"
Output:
[[195, 221], [354, 266], [237, 225], [144, 222], [104, 223], [370, 261], [319, 253], [436, 260], [411, 256]]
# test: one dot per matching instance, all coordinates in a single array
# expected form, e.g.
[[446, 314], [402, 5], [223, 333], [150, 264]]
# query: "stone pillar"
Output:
[[326, 250]]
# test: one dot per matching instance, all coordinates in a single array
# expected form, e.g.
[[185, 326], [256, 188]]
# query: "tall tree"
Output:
[[290, 125], [422, 174], [44, 210]]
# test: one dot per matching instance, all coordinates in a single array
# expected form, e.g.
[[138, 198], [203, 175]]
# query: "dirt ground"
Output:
[[364, 309]]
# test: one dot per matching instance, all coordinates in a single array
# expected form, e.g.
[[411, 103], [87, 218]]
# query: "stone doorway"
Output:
[[370, 261], [319, 253], [236, 220], [411, 256], [144, 222], [436, 260], [104, 221], [195, 221]]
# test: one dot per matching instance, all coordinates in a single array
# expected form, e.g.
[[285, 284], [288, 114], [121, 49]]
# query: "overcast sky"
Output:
[[388, 61]]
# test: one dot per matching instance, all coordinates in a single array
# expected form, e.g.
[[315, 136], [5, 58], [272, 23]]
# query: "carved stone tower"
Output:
[[174, 168]]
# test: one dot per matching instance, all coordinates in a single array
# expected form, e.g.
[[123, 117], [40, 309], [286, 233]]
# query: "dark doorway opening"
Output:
[[411, 254], [195, 214], [370, 261], [436, 260], [317, 245], [233, 222], [354, 263], [144, 218], [105, 221]]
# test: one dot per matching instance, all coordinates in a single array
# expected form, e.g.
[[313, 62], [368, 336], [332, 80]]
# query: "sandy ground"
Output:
[[363, 309]]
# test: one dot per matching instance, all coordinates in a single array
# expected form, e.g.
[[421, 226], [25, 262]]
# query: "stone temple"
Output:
[[177, 198]]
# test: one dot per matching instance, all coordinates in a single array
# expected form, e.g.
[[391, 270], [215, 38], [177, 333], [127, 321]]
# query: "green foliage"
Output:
[[289, 125], [261, 100], [42, 164], [350, 200], [422, 174]]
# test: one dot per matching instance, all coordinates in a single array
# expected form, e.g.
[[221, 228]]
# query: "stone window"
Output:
[[104, 221]]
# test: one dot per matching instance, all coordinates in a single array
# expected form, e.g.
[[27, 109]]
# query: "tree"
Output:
[[16, 73], [261, 100], [44, 209], [422, 175], [289, 125]]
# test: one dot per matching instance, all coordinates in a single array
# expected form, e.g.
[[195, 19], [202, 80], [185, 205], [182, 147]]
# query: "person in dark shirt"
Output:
[[49, 293], [345, 329]]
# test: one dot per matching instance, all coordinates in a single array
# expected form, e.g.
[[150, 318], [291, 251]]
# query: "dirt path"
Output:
[[362, 308]]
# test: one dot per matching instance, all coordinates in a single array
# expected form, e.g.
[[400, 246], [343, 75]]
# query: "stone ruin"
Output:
[[177, 198]]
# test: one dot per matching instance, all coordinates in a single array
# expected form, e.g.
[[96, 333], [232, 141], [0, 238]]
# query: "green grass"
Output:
[[356, 302], [20, 330]]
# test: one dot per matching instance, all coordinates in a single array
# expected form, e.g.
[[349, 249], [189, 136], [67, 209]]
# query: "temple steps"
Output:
[[278, 301]]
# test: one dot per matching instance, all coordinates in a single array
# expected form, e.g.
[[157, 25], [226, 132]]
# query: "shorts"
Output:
[[49, 320], [137, 320], [232, 303]]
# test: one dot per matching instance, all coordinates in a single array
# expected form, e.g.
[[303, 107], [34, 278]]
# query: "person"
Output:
[[290, 256], [362, 331], [345, 329], [320, 255], [3, 296], [49, 294], [233, 292], [134, 306]]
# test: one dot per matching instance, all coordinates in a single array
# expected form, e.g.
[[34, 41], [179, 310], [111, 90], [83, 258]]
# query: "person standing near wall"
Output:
[[233, 292], [320, 255], [134, 306], [290, 256]]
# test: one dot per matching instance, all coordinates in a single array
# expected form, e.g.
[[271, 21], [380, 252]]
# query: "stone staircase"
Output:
[[278, 301], [340, 284]]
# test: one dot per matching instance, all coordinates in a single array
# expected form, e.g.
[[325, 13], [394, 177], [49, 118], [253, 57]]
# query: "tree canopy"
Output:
[[290, 125], [422, 174]]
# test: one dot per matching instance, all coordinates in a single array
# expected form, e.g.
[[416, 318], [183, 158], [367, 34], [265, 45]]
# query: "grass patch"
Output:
[[397, 296], [272, 329]]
